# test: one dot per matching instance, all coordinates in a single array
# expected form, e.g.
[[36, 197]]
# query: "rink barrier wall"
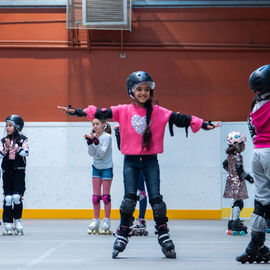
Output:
[[89, 214]]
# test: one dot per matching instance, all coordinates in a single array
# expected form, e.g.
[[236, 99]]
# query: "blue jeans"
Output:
[[150, 167]]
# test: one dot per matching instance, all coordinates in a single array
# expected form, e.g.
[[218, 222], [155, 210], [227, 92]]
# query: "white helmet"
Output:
[[236, 137]]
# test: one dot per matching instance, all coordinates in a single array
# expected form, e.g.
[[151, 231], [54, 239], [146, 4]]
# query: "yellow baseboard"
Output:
[[245, 213], [88, 214]]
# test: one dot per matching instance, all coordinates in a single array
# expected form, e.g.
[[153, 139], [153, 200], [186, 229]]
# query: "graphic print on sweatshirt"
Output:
[[138, 123]]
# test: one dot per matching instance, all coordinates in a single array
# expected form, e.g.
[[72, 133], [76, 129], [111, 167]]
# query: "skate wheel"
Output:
[[136, 233], [115, 253], [108, 232], [234, 233], [229, 232], [145, 233], [268, 230], [258, 260], [242, 233]]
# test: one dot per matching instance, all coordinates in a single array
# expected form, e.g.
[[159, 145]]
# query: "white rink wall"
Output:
[[58, 172]]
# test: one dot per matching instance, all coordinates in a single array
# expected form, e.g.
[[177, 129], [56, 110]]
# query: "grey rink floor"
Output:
[[65, 244]]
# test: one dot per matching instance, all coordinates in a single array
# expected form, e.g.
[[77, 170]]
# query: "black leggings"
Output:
[[13, 183]]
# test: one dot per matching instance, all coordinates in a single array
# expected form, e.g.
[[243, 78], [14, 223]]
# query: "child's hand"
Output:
[[66, 109], [209, 125], [249, 178], [7, 143]]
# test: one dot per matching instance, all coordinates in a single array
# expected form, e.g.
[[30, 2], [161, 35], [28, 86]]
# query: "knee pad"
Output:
[[8, 200], [258, 223], [238, 203], [106, 198], [96, 199], [159, 208], [16, 198], [141, 194], [128, 205]]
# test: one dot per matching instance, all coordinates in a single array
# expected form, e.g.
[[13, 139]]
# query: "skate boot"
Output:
[[230, 225], [18, 228], [93, 226], [105, 227], [121, 240], [256, 250], [165, 242], [7, 229], [237, 228], [268, 225], [139, 228]]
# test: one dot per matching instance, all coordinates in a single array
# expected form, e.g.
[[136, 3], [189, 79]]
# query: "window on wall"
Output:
[[147, 3]]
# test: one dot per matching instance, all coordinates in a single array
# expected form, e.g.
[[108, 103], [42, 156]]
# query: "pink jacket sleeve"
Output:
[[196, 123]]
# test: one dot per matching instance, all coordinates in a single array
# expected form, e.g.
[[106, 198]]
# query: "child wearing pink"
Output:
[[259, 82], [142, 128]]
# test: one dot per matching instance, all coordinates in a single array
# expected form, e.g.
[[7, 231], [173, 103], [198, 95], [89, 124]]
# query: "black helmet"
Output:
[[259, 80], [16, 121], [138, 77]]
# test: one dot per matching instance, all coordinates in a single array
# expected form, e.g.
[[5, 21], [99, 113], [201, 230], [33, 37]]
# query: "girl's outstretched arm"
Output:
[[72, 111], [91, 112], [182, 120]]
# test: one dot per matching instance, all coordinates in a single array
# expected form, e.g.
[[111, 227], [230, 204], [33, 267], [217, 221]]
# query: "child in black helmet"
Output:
[[13, 150], [260, 117], [142, 128]]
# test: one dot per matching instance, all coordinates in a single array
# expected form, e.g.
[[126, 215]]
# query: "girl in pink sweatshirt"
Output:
[[142, 127], [260, 117]]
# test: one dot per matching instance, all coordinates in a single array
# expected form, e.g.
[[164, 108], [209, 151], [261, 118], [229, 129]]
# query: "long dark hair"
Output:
[[15, 136], [147, 134]]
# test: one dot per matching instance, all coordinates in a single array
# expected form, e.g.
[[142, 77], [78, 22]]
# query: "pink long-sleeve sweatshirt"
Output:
[[132, 121], [260, 118]]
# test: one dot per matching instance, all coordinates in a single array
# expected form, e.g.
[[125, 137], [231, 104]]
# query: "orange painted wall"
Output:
[[200, 59]]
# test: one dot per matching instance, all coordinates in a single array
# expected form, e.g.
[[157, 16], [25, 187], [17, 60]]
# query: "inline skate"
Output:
[[139, 228], [121, 241], [256, 251], [167, 245]]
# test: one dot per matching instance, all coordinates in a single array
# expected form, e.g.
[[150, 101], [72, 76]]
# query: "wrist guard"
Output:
[[205, 124], [78, 112], [95, 141], [89, 141], [249, 178]]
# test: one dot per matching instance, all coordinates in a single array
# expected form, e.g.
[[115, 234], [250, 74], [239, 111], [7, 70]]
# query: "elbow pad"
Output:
[[103, 113], [180, 120]]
